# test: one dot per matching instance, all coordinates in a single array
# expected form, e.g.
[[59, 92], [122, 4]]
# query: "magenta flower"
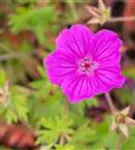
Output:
[[85, 64]]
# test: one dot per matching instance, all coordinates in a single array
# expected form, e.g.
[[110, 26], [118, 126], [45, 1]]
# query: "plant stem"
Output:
[[13, 56], [113, 111], [116, 19], [110, 102], [120, 19], [119, 141]]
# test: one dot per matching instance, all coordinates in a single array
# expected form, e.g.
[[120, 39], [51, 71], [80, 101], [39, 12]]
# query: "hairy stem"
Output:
[[113, 111], [110, 103], [116, 19], [121, 19]]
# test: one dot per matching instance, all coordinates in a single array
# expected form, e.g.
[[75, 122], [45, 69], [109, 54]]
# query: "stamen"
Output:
[[85, 65]]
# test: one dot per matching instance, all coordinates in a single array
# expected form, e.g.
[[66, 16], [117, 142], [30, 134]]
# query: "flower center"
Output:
[[120, 118], [86, 65]]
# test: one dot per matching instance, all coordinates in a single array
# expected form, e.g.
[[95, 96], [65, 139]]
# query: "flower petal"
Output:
[[78, 88], [126, 111], [59, 66], [109, 78], [130, 122], [105, 47], [124, 130], [76, 39]]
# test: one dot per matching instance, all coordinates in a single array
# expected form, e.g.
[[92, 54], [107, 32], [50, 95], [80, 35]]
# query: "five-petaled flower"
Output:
[[85, 64]]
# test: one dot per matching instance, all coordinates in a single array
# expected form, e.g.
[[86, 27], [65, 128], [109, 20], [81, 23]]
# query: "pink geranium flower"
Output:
[[85, 64]]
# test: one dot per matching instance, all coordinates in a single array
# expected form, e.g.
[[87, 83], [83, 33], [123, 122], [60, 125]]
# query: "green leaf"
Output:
[[79, 110], [2, 78], [104, 137], [54, 128], [82, 137], [91, 102], [37, 84], [65, 147], [36, 20], [10, 116], [128, 143], [16, 109], [42, 72], [19, 104]]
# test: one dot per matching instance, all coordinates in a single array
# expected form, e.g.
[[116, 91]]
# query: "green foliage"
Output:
[[126, 95], [78, 1], [35, 20], [10, 116], [65, 147], [54, 128], [128, 143], [82, 137], [18, 100], [56, 121], [104, 137], [46, 97], [78, 110], [129, 72], [2, 78], [14, 60], [14, 107]]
